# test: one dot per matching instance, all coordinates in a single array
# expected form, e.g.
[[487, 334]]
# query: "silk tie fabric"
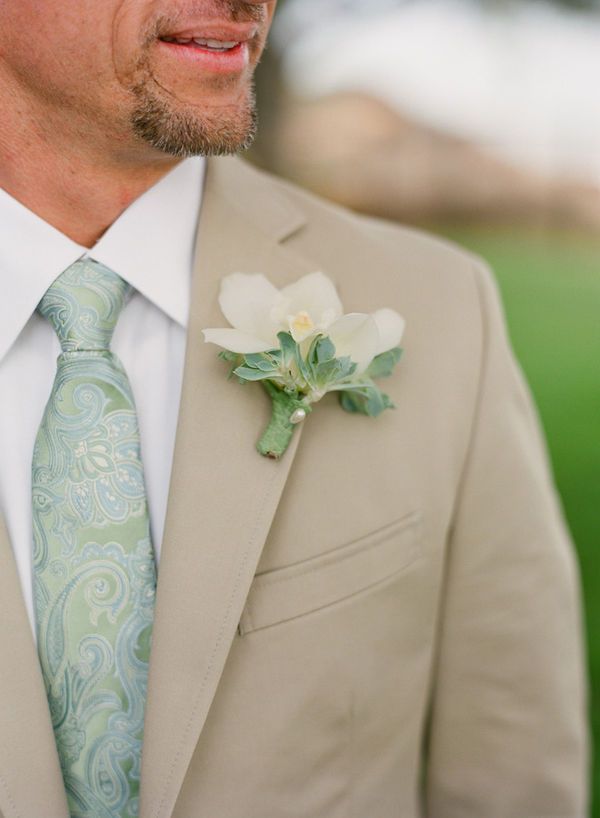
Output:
[[94, 571]]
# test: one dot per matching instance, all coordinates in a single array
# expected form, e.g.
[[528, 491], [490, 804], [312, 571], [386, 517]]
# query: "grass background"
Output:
[[550, 284]]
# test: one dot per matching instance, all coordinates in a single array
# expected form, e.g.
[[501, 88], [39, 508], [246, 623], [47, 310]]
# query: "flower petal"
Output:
[[315, 294], [390, 325], [246, 302], [237, 341], [355, 335]]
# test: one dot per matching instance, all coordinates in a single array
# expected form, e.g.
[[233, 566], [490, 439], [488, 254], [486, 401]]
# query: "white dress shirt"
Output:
[[151, 245]]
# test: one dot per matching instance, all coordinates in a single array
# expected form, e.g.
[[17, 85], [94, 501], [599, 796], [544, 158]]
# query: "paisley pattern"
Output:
[[94, 568]]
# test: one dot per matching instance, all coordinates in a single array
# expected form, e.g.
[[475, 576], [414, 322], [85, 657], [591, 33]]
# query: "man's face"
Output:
[[175, 75]]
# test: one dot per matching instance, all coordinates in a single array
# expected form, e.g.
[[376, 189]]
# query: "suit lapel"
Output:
[[223, 494], [30, 779]]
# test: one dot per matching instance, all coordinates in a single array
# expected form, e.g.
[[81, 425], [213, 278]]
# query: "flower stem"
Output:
[[278, 434]]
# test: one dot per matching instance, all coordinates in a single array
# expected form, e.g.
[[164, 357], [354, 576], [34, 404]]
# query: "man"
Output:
[[383, 623]]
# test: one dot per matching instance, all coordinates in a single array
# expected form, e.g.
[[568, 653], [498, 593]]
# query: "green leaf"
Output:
[[288, 348], [347, 367], [312, 361], [304, 368], [247, 373], [323, 350], [383, 365], [265, 361], [329, 373], [326, 369], [367, 400]]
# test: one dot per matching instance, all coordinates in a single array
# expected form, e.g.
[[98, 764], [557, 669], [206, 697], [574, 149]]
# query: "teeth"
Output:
[[216, 44], [213, 45]]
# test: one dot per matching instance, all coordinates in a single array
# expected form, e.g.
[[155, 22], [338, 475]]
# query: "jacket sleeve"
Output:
[[507, 735]]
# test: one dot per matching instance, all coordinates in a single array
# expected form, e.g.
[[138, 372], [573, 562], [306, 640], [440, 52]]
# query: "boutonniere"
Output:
[[298, 343]]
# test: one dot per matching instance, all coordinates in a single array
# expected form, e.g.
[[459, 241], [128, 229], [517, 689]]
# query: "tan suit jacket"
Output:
[[386, 623]]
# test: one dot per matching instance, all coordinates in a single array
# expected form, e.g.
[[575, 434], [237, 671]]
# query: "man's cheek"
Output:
[[132, 31]]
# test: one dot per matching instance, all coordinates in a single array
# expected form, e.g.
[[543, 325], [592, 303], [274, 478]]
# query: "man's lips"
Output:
[[226, 58], [220, 48]]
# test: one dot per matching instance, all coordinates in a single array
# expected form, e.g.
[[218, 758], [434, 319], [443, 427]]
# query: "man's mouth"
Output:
[[214, 46], [210, 45], [216, 38]]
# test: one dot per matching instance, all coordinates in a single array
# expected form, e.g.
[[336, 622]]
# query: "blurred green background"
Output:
[[463, 119]]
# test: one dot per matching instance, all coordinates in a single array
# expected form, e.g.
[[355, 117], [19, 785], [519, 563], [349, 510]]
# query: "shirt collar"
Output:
[[151, 245]]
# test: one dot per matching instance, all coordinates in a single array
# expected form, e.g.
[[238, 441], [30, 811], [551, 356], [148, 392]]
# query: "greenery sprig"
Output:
[[296, 377]]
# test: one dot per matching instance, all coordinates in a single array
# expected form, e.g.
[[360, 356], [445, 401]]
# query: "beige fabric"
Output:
[[394, 590]]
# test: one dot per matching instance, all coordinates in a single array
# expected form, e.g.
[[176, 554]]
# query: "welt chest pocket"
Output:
[[288, 593]]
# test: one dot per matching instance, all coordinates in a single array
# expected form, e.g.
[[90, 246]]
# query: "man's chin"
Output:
[[179, 130]]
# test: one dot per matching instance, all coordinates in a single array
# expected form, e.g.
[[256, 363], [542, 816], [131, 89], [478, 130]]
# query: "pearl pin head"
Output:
[[298, 416]]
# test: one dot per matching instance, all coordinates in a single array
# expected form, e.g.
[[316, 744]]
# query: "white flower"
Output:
[[258, 311]]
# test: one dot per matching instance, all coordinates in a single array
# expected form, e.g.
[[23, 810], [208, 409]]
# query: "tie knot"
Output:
[[83, 305]]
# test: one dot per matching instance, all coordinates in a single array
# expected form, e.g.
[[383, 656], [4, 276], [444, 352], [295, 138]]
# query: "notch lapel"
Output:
[[31, 782], [223, 494]]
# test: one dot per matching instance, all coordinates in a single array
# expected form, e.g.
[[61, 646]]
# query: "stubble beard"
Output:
[[179, 130]]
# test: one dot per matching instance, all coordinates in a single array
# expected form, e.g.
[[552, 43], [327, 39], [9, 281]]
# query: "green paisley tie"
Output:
[[94, 573]]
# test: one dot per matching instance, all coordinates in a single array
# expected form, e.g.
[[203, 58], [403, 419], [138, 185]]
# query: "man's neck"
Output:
[[77, 187]]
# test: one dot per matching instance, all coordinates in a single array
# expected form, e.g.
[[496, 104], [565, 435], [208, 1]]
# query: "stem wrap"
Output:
[[278, 434]]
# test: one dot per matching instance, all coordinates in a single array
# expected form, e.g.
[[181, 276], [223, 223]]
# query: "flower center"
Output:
[[301, 326]]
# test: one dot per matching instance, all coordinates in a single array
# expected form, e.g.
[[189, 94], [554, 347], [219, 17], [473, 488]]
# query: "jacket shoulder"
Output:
[[331, 228]]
